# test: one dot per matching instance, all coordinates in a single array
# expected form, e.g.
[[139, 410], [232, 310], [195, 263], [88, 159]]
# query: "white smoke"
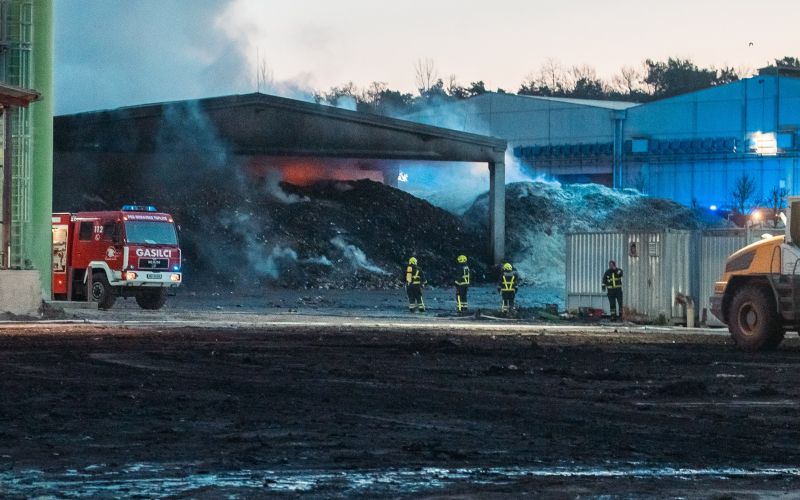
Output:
[[347, 102], [356, 256], [278, 259], [322, 261], [273, 187], [455, 186]]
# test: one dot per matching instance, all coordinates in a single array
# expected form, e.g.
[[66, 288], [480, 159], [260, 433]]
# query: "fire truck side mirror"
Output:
[[116, 236]]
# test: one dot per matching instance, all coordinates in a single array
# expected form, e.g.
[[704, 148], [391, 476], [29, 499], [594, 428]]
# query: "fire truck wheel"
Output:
[[101, 291], [151, 299], [753, 320]]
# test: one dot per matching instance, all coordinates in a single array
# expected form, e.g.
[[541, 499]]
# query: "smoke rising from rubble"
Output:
[[272, 184], [455, 186], [355, 256]]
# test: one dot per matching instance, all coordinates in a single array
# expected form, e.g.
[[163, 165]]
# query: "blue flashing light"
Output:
[[176, 267], [713, 208], [138, 208]]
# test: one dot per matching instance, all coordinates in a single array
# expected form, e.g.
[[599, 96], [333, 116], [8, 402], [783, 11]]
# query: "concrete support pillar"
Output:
[[497, 211], [390, 175]]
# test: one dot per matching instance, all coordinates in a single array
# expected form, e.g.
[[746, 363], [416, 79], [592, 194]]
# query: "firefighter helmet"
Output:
[[412, 261], [507, 267], [462, 259]]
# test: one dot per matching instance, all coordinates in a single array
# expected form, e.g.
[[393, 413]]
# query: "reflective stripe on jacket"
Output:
[[509, 281], [464, 279], [612, 278]]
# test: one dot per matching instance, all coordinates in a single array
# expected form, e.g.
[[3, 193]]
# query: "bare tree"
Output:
[[553, 76], [372, 94], [777, 202], [264, 76], [426, 74], [743, 192], [627, 81], [583, 71]]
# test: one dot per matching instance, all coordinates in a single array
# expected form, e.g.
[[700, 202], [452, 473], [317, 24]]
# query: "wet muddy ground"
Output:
[[338, 411]]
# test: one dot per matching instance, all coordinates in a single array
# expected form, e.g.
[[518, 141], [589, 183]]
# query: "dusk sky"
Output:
[[112, 53]]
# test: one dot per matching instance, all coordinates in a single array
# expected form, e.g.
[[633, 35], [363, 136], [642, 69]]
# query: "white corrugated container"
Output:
[[715, 248], [587, 259], [716, 245], [657, 266]]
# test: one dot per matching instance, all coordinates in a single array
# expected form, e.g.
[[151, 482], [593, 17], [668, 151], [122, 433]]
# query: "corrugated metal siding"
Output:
[[587, 259], [656, 266], [664, 264], [681, 262], [715, 247]]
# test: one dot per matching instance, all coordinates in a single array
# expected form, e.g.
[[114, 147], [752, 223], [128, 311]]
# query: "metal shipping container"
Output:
[[715, 247], [657, 266]]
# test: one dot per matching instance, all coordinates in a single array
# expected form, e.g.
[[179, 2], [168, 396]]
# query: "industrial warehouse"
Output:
[[691, 148], [214, 286]]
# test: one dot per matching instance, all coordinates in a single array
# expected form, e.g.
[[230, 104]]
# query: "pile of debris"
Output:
[[238, 232], [539, 214], [242, 233]]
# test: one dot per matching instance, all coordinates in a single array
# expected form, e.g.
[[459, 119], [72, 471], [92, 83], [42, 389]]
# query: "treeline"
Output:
[[652, 80]]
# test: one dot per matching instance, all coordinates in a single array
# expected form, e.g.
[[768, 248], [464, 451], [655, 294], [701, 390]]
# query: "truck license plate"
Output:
[[153, 276]]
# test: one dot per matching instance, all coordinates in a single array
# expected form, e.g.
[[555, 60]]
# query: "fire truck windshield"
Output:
[[150, 233]]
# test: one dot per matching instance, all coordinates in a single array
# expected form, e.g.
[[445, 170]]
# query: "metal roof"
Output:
[[596, 103], [265, 124]]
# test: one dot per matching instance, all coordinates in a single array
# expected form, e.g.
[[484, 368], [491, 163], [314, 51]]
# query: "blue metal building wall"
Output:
[[685, 126]]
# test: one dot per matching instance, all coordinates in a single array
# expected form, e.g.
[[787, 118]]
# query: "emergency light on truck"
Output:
[[138, 208]]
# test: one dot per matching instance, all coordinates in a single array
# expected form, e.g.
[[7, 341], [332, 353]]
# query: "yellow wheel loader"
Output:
[[758, 296]]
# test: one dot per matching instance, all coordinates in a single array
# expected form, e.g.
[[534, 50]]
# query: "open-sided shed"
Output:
[[280, 129]]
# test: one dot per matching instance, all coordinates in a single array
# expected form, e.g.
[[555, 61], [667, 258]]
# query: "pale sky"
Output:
[[112, 53]]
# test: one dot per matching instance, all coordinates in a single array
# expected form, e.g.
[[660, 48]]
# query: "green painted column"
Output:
[[40, 251]]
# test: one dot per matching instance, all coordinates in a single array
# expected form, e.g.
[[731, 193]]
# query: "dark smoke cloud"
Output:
[[112, 53]]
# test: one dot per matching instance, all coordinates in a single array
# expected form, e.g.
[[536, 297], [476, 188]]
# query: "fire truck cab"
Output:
[[100, 256]]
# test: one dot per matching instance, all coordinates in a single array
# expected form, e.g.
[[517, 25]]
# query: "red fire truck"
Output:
[[100, 256]]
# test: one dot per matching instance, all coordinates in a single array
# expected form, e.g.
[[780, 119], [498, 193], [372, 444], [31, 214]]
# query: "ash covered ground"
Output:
[[391, 409]]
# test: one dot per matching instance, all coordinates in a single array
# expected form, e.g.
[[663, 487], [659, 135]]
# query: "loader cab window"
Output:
[[794, 223], [85, 231]]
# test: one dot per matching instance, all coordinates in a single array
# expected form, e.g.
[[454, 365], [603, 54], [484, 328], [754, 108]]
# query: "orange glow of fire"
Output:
[[305, 171]]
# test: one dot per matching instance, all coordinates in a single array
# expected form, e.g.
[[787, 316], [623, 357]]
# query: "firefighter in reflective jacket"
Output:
[[509, 282], [414, 286], [612, 285], [462, 284]]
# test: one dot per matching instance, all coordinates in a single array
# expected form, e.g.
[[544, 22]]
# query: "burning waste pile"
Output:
[[330, 234], [539, 214]]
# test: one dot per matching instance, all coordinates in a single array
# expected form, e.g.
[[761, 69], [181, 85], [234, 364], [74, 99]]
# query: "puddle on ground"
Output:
[[160, 481]]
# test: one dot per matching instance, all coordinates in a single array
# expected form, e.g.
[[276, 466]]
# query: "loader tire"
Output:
[[101, 291], [753, 320], [151, 299]]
